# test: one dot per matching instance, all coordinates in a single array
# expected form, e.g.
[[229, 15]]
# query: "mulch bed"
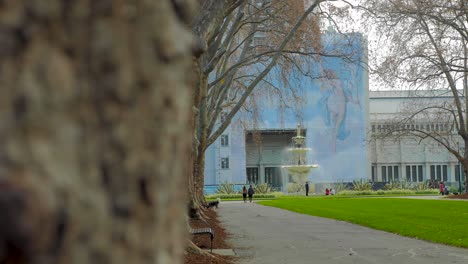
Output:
[[460, 196], [219, 242]]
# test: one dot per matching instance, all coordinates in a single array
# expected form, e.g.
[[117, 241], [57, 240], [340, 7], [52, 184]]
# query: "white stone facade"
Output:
[[408, 157]]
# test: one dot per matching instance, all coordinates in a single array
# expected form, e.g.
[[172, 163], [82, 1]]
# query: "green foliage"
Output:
[[338, 186], [406, 185], [388, 192], [420, 186], [226, 188], [453, 189], [362, 185], [238, 196], [294, 187], [422, 218], [427, 191], [262, 188], [394, 185]]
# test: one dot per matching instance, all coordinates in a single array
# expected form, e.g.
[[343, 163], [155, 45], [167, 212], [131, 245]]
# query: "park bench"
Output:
[[199, 226]]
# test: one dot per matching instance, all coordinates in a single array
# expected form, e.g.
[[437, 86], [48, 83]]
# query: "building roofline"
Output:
[[416, 94], [274, 131]]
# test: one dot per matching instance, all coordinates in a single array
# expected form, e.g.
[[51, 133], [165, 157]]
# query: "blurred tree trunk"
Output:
[[94, 130]]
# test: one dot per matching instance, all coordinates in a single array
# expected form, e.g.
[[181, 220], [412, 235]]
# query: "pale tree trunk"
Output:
[[94, 130], [198, 167], [210, 16], [199, 176]]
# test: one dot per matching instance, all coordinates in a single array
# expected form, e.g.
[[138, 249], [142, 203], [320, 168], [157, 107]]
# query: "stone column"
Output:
[[261, 174]]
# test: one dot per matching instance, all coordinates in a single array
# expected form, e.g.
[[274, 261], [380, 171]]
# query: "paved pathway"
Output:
[[264, 234]]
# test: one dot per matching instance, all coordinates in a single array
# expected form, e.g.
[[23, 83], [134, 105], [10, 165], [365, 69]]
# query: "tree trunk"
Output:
[[199, 176], [209, 17], [196, 183], [95, 130], [465, 168]]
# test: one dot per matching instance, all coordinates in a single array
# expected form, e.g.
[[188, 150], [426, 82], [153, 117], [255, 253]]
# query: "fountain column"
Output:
[[298, 167]]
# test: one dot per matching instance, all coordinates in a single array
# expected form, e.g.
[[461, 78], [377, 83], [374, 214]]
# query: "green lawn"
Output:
[[434, 220]]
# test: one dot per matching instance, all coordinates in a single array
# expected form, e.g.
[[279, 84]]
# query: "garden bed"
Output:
[[219, 242], [460, 196]]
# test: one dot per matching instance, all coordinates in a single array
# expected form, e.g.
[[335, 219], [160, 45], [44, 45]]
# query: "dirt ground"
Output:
[[460, 196], [203, 241]]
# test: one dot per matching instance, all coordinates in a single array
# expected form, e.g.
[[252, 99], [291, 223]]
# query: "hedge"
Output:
[[239, 196], [387, 192]]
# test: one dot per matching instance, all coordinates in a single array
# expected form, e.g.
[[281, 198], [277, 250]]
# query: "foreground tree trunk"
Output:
[[95, 130]]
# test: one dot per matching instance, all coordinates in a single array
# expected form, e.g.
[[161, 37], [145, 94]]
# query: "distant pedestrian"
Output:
[[441, 187], [244, 194], [446, 190], [307, 188], [327, 191], [250, 192], [332, 191]]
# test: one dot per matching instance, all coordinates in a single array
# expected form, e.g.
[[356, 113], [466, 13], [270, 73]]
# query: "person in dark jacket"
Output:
[[307, 188], [250, 192], [244, 194]]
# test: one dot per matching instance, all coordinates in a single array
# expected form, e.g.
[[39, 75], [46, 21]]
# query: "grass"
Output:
[[433, 220], [277, 195], [239, 199]]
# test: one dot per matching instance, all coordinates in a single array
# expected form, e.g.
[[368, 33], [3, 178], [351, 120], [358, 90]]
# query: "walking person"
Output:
[[250, 192], [446, 190], [244, 194], [327, 192], [441, 187], [307, 188]]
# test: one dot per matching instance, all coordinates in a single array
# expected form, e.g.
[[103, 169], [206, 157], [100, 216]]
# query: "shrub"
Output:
[[262, 188], [226, 188], [338, 186], [428, 191], [388, 192], [293, 187], [238, 196], [420, 186], [453, 189], [404, 184], [362, 185], [394, 185]]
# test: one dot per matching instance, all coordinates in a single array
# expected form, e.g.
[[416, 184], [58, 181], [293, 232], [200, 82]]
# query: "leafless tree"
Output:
[[427, 49], [243, 45]]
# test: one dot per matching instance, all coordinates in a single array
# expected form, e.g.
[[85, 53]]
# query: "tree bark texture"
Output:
[[94, 130]]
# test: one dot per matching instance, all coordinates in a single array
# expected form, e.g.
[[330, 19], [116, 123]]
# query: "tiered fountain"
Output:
[[298, 167]]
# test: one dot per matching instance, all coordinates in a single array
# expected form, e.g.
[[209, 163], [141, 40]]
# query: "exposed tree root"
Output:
[[192, 248]]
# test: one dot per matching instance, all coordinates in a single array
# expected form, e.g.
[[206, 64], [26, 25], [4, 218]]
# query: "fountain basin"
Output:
[[299, 149], [300, 169]]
